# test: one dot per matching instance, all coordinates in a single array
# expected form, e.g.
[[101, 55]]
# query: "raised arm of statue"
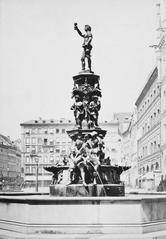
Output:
[[78, 30]]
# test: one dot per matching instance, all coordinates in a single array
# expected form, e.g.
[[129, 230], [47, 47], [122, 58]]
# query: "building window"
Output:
[[39, 149], [27, 169], [51, 131], [33, 150], [33, 170], [57, 150], [57, 131], [151, 148], [51, 150], [51, 159], [33, 140], [27, 160], [40, 170], [45, 141], [155, 146], [27, 149], [63, 131], [52, 142], [27, 131], [39, 130], [45, 159], [45, 131], [45, 149], [39, 140], [152, 167], [151, 120], [27, 140], [157, 165], [33, 130], [142, 130], [143, 170]]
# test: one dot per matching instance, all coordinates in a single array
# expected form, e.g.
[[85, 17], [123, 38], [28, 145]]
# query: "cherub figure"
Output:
[[87, 47]]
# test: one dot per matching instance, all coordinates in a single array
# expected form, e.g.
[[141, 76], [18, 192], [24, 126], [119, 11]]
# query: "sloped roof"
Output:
[[5, 140], [147, 86]]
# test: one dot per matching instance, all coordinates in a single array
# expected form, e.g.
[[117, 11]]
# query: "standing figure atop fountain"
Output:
[[87, 47]]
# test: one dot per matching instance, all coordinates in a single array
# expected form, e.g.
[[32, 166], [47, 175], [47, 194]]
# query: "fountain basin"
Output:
[[83, 217], [77, 190]]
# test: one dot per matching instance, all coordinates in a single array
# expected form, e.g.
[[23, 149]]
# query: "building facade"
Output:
[[161, 63], [48, 140], [112, 141], [10, 161], [149, 132], [129, 152]]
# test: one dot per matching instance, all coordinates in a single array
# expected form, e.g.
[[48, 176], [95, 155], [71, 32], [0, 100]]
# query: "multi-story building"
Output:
[[123, 119], [112, 141], [49, 141], [129, 152], [149, 131], [10, 160], [161, 63]]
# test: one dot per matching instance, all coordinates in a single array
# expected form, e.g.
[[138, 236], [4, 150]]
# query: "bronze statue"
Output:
[[79, 112], [87, 47], [93, 112]]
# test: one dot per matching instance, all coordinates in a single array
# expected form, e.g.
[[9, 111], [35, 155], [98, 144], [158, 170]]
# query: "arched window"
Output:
[[147, 169]]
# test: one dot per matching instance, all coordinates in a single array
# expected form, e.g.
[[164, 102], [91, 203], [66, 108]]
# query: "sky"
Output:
[[40, 53]]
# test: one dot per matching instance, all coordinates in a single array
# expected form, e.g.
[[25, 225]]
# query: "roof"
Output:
[[147, 86], [41, 121], [62, 121], [5, 140], [122, 116]]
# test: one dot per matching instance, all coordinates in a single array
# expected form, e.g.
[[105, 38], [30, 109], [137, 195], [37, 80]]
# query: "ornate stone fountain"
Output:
[[86, 171]]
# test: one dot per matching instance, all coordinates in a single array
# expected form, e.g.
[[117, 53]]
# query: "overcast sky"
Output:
[[40, 52]]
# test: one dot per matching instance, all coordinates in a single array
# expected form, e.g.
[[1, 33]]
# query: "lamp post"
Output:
[[37, 168]]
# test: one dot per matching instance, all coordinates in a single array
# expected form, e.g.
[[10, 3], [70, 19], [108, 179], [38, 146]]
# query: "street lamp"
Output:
[[37, 168]]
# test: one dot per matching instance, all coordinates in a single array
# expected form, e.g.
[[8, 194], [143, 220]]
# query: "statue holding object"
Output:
[[87, 47]]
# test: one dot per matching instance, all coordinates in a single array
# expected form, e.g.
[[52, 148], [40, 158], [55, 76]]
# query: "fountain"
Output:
[[80, 204], [86, 172]]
